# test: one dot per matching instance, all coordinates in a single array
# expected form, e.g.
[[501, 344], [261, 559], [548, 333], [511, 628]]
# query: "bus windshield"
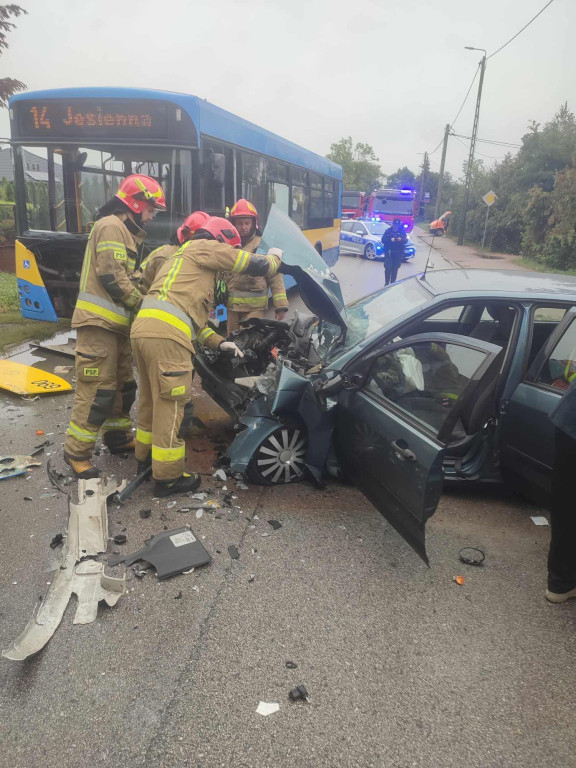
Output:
[[65, 186]]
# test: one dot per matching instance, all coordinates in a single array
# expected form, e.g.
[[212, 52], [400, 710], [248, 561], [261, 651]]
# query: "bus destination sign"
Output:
[[84, 118]]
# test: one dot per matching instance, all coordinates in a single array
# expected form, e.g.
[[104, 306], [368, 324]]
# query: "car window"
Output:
[[559, 370], [359, 229], [346, 226], [424, 378], [544, 322], [450, 313]]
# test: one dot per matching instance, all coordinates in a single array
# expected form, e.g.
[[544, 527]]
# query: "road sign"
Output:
[[489, 198], [426, 196]]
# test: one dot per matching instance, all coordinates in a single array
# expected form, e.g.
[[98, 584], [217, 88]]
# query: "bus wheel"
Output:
[[370, 252]]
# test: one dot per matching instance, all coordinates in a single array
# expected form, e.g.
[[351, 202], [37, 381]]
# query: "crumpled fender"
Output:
[[245, 443]]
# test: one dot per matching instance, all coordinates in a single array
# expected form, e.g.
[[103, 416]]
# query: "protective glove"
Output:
[[280, 313], [229, 346], [276, 252]]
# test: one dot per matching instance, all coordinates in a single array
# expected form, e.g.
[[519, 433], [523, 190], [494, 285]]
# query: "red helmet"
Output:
[[137, 191], [191, 224], [222, 230], [242, 208]]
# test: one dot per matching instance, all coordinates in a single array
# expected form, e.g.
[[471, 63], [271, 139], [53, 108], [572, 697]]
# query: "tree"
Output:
[[8, 86], [360, 166], [403, 177]]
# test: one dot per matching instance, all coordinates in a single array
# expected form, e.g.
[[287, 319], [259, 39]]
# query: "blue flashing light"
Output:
[[406, 191]]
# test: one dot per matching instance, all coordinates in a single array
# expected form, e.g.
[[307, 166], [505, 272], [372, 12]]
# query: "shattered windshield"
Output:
[[318, 286], [368, 315]]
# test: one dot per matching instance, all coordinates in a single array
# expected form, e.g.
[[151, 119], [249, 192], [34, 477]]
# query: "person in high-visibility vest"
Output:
[[105, 386], [248, 295], [172, 318]]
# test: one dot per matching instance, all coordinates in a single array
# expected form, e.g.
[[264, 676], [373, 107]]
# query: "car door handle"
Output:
[[404, 453]]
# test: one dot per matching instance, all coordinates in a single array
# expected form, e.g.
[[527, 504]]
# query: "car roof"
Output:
[[513, 283]]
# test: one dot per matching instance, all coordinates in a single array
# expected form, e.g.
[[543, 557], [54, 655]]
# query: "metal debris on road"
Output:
[[169, 552], [266, 708], [299, 693], [131, 487], [471, 556], [57, 478], [13, 466], [79, 573]]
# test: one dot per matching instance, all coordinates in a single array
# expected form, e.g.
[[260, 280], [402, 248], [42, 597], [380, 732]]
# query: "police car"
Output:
[[364, 238]]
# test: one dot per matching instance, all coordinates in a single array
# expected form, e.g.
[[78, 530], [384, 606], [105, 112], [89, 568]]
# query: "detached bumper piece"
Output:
[[79, 573]]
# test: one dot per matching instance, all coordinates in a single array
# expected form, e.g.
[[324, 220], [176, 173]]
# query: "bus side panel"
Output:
[[34, 300]]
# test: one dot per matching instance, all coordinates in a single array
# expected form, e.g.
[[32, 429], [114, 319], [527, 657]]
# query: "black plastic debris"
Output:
[[299, 693], [178, 596], [291, 665], [233, 552], [228, 500], [120, 538], [471, 556], [145, 513], [56, 478], [28, 498], [251, 579], [170, 553], [57, 540], [275, 524]]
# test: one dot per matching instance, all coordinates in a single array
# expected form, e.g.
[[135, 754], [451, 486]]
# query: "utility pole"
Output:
[[472, 146], [441, 176], [425, 169]]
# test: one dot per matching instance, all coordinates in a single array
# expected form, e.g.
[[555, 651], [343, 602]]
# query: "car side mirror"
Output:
[[358, 232], [354, 381]]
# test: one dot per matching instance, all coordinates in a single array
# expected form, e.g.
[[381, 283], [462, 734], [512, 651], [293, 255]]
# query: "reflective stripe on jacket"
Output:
[[107, 295], [184, 288], [246, 293], [152, 264]]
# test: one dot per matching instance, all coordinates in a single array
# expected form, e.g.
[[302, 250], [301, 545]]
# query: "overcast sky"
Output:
[[390, 73]]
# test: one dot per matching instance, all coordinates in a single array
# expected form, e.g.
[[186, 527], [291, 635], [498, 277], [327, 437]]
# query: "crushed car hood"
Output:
[[318, 286]]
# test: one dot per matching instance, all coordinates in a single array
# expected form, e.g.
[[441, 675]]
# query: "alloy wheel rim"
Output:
[[370, 252], [280, 458]]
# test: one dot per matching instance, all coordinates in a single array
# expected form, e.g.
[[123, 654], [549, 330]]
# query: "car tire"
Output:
[[370, 252], [279, 459]]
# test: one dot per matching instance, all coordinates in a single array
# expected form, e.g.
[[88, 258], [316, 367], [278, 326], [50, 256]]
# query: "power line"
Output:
[[465, 97], [522, 30], [490, 157], [438, 147], [491, 141]]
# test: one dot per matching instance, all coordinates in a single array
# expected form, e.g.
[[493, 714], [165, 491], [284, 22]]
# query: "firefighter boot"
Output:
[[183, 484], [82, 468], [118, 441]]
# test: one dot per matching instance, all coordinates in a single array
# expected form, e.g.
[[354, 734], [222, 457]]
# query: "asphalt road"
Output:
[[403, 666]]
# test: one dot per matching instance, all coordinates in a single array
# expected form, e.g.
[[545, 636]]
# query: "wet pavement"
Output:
[[404, 667]]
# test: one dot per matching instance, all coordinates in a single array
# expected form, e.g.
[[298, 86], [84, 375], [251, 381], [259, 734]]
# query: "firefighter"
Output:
[[152, 263], [150, 268], [393, 240], [172, 317], [248, 295], [105, 386]]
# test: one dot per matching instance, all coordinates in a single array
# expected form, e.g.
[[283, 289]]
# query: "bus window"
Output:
[[278, 194], [253, 181], [213, 178], [299, 205]]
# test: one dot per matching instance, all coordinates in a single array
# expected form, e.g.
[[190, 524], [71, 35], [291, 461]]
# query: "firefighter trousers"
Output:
[[165, 388], [105, 390], [234, 318]]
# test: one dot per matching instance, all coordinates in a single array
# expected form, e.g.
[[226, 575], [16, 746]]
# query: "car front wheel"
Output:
[[370, 252], [279, 458]]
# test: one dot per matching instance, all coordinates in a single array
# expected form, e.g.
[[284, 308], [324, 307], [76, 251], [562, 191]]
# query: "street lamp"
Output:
[[472, 143]]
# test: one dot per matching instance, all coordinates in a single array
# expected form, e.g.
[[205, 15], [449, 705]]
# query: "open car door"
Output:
[[397, 414]]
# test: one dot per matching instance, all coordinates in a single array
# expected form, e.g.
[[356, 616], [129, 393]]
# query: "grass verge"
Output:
[[14, 329], [536, 266]]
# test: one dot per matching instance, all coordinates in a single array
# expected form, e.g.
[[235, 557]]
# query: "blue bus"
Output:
[[203, 156]]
